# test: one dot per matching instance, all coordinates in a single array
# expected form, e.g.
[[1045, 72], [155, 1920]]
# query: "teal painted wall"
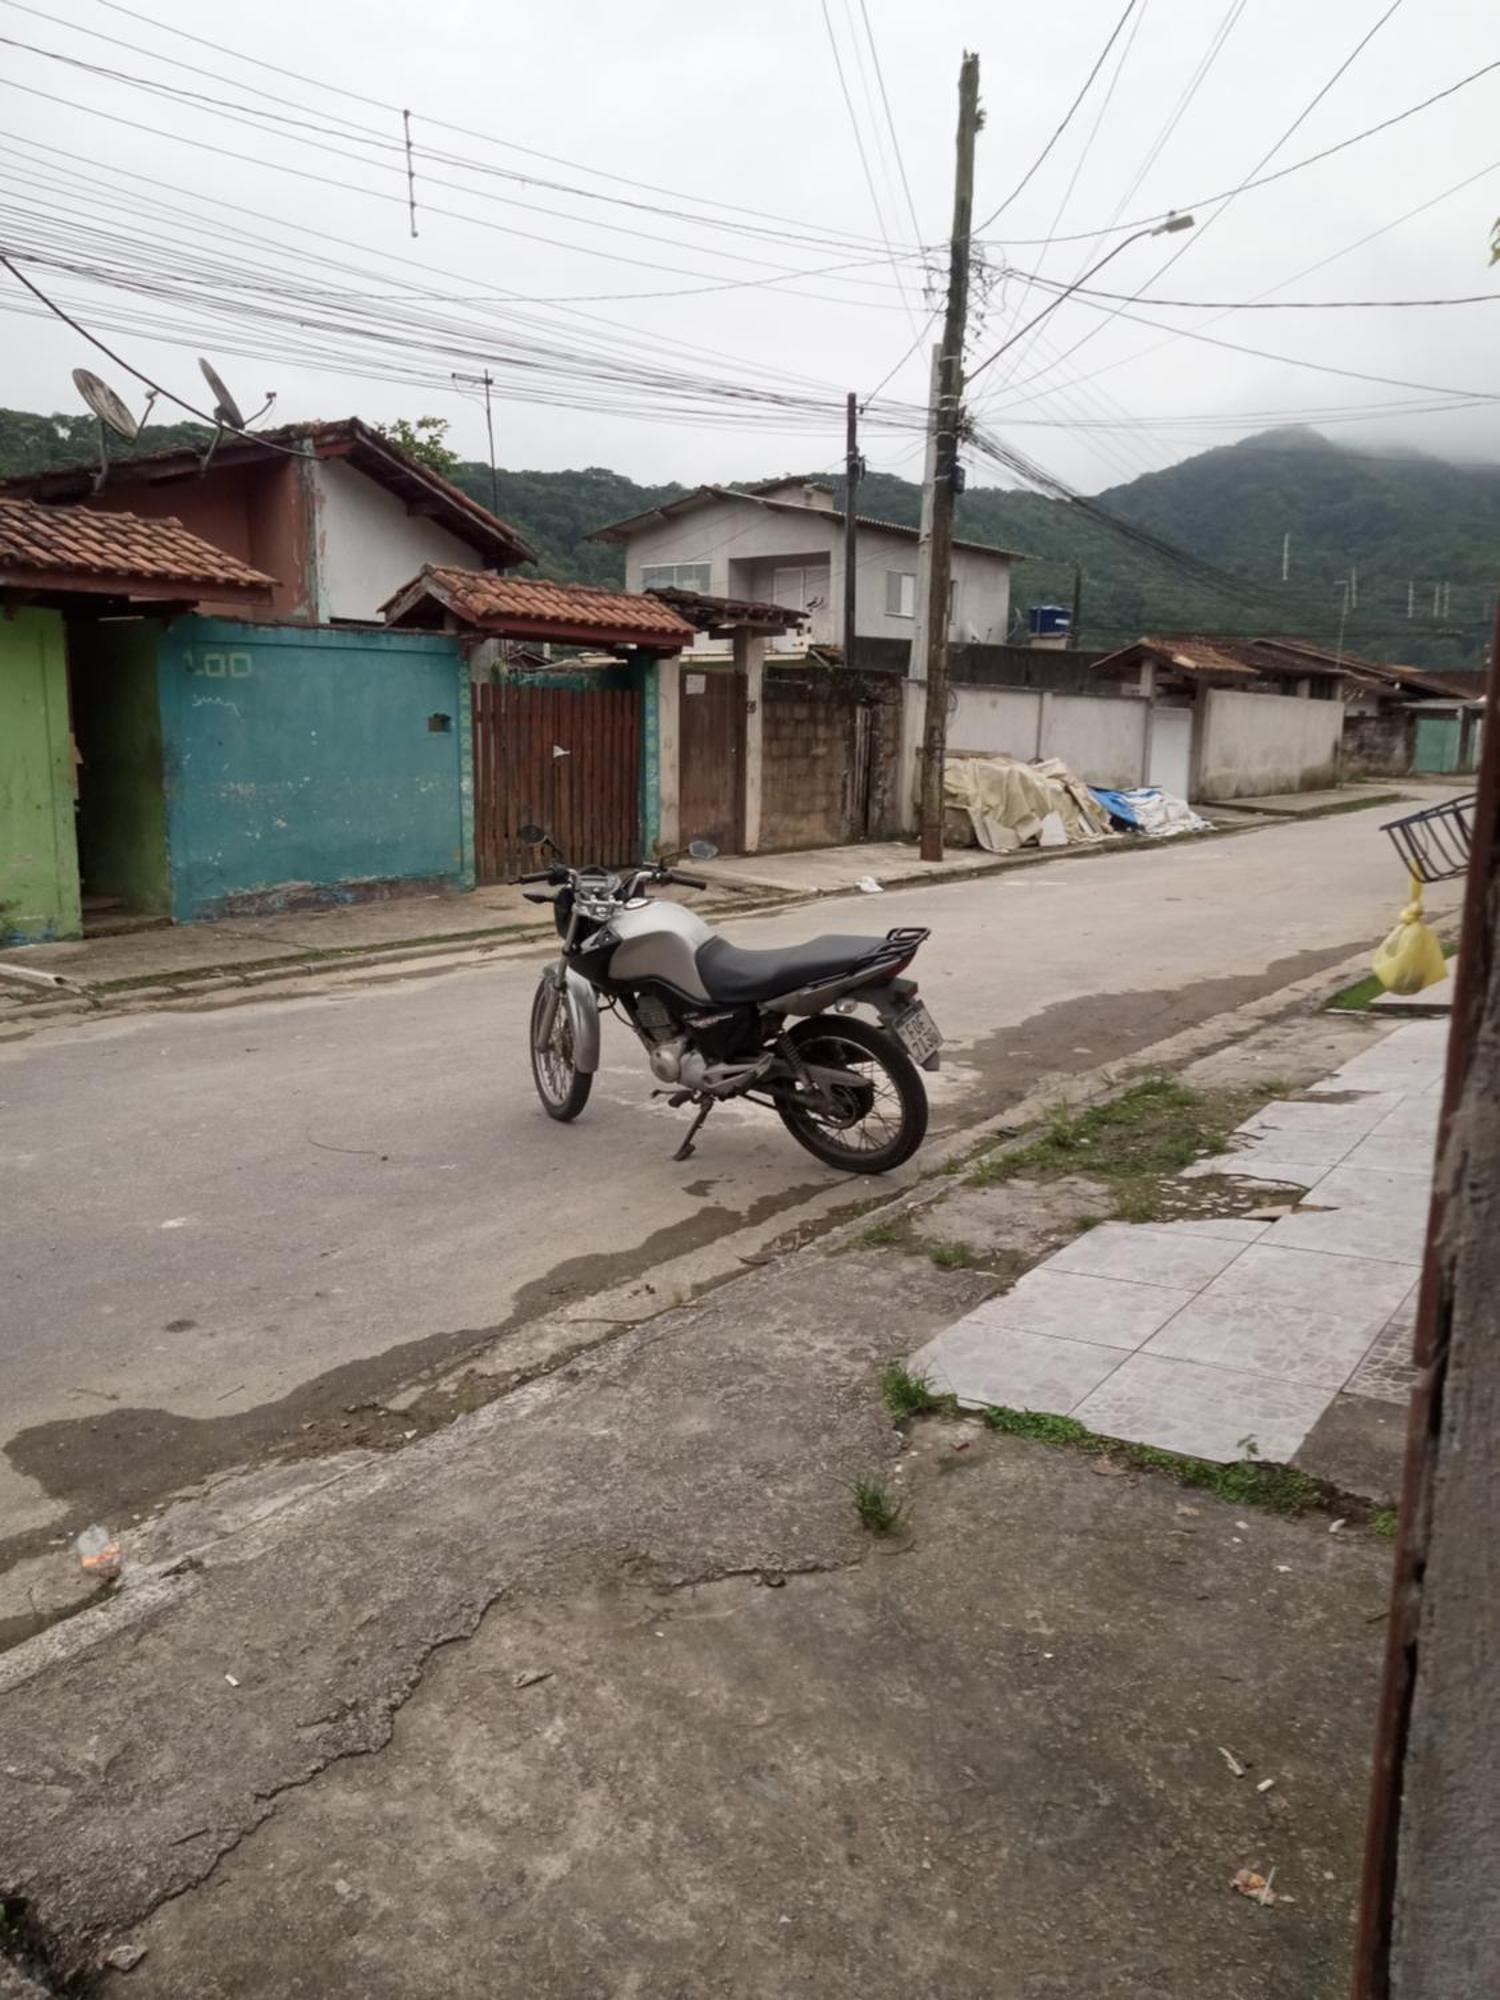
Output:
[[300, 766], [122, 815], [38, 854]]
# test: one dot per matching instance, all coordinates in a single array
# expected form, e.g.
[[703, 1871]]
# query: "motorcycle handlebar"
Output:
[[541, 875], [685, 881]]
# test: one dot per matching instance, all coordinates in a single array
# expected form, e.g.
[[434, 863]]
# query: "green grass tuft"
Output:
[[907, 1395], [1246, 1482], [879, 1236], [952, 1256], [1385, 1521], [877, 1507]]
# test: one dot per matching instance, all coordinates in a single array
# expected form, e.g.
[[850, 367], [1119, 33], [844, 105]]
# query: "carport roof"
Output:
[[61, 551], [532, 607]]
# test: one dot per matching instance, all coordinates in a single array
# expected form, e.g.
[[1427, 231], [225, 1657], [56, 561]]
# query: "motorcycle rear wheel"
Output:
[[869, 1129], [560, 1084]]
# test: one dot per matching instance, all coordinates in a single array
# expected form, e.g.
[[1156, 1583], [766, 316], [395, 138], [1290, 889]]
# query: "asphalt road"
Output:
[[205, 1214]]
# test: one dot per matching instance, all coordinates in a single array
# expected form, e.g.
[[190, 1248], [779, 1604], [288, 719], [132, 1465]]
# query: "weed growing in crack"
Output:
[[952, 1256], [907, 1395], [877, 1507], [1247, 1482], [1384, 1522], [881, 1235]]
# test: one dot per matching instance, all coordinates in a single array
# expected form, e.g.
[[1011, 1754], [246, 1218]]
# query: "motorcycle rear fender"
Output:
[[572, 990]]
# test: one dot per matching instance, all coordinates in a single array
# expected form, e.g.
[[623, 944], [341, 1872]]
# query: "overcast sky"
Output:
[[743, 107]]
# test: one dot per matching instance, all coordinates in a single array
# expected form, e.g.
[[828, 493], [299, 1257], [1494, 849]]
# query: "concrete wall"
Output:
[[743, 545], [122, 813], [260, 513], [369, 542], [1377, 741], [1101, 738], [38, 857], [1265, 743], [304, 767]]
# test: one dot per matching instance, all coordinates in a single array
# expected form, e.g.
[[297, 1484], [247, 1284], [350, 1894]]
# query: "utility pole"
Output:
[[1411, 589], [917, 664], [1077, 619], [854, 469], [486, 381], [945, 423], [1286, 555]]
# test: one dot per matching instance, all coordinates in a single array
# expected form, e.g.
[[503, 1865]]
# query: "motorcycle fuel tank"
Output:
[[659, 941]]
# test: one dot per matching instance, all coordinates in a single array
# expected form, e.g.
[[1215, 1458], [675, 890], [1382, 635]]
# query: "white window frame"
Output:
[[677, 576], [904, 593]]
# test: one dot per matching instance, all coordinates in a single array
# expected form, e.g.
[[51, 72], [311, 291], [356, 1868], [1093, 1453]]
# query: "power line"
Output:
[[911, 207], [863, 156], [1067, 118], [325, 87], [1265, 180], [1264, 304]]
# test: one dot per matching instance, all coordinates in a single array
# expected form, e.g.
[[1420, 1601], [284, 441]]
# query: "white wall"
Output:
[[1170, 763], [368, 544], [743, 544], [1101, 738], [1263, 743]]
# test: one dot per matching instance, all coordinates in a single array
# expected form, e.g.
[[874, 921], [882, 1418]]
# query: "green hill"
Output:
[[1395, 520]]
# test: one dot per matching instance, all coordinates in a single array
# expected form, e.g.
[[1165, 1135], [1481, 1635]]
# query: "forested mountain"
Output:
[[1392, 521]]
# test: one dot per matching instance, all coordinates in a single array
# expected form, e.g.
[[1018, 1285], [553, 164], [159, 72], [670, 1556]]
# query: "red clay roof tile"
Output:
[[78, 541]]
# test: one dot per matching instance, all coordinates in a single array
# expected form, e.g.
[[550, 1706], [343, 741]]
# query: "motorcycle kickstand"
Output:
[[685, 1150]]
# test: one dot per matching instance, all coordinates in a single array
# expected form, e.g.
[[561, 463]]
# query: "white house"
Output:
[[335, 513], [783, 543]]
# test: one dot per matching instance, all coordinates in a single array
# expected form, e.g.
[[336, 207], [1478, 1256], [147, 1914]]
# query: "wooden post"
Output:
[[853, 472], [945, 466]]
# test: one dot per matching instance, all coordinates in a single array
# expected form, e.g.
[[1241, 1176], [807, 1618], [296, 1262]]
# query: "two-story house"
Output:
[[339, 516], [783, 543]]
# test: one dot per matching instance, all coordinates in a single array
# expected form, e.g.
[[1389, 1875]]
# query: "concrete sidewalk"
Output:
[[1194, 1336]]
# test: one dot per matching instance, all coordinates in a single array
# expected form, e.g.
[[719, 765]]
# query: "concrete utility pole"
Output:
[[1076, 621], [945, 422], [854, 469], [917, 665], [486, 381]]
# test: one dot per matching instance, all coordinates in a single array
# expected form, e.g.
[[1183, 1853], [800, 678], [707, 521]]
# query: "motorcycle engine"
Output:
[[666, 1060]]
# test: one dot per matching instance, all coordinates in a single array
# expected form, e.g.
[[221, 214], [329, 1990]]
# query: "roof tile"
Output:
[[81, 541], [489, 598]]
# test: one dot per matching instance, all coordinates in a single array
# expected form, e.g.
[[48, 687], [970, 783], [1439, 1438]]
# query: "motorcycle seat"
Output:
[[738, 977]]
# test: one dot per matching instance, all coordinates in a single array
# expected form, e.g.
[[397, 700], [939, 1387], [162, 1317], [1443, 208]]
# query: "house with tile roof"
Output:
[[783, 542], [335, 512], [171, 752]]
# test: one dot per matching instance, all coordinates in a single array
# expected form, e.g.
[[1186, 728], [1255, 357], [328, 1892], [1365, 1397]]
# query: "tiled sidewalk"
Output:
[[1196, 1336]]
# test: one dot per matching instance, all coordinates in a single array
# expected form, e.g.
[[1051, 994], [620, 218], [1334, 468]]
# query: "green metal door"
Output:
[[1437, 743]]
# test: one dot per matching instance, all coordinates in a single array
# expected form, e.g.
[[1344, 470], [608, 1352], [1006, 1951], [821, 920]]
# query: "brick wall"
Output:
[[1378, 744], [830, 747]]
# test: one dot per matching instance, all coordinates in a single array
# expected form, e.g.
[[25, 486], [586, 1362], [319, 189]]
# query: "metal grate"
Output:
[[1436, 844]]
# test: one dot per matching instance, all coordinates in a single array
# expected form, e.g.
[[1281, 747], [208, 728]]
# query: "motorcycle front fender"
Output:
[[583, 1014]]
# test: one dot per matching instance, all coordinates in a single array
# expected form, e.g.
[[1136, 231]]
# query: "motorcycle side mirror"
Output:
[[702, 850], [531, 833]]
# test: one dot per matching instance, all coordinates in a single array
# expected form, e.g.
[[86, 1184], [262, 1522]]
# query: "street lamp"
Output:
[[1168, 227]]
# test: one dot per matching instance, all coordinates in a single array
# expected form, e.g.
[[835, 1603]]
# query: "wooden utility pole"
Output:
[[945, 423], [853, 472]]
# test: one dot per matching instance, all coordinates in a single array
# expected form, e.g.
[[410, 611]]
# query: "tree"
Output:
[[425, 441]]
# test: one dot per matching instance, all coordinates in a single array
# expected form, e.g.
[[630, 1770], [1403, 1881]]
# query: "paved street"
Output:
[[238, 1218]]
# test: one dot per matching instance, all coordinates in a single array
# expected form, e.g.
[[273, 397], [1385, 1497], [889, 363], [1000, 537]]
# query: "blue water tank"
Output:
[[1050, 621]]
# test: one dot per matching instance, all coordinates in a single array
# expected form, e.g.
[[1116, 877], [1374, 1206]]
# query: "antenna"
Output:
[[227, 414], [113, 415]]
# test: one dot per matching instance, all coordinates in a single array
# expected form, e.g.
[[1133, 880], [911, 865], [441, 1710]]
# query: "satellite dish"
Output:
[[226, 409], [227, 413], [105, 404]]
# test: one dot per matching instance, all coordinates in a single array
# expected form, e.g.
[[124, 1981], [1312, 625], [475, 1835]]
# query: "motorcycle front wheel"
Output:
[[870, 1125], [560, 1084]]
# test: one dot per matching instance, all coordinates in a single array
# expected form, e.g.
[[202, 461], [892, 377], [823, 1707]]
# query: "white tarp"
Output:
[[999, 803]]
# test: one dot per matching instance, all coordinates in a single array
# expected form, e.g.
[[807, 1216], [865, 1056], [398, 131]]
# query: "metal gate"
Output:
[[711, 763], [1436, 744], [567, 758]]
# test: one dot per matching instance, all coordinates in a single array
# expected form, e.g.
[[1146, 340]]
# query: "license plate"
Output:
[[918, 1032]]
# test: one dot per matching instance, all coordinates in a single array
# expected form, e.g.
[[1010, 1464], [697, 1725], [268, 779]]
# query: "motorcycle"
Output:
[[779, 1028]]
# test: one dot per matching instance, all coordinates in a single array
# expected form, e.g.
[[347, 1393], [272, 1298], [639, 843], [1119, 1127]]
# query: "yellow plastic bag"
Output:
[[1411, 957]]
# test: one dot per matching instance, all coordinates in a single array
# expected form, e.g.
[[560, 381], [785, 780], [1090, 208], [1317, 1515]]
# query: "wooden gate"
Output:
[[567, 758], [711, 763]]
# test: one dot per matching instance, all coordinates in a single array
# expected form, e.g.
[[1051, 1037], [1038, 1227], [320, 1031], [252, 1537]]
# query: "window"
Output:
[[800, 589], [676, 576], [901, 595]]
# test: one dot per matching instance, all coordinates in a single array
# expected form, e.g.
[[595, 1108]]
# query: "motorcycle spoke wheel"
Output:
[[864, 1127], [561, 1086]]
